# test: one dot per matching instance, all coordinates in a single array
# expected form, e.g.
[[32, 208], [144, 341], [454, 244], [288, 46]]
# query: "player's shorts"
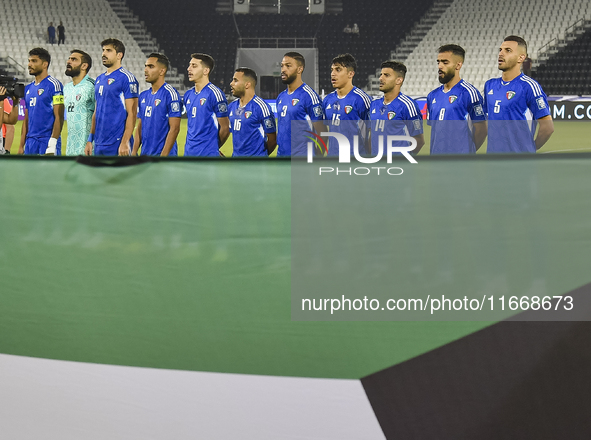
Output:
[[201, 149], [39, 146], [110, 150]]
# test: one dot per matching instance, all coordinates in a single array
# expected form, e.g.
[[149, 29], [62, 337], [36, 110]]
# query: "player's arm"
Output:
[[224, 130], [24, 131], [88, 148], [271, 142], [131, 108], [420, 142], [58, 124], [545, 131], [480, 132], [137, 139], [12, 117], [174, 125]]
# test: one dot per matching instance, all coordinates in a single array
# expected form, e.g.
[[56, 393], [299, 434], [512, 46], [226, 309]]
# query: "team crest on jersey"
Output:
[[157, 102], [111, 81], [510, 95], [247, 114], [452, 99], [78, 97], [294, 101], [348, 109], [40, 92], [391, 115], [202, 101]]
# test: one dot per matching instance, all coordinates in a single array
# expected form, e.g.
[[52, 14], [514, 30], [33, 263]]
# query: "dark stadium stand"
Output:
[[182, 28], [567, 71], [382, 26]]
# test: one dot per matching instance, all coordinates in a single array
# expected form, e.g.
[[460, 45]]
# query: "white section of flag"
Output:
[[49, 399]]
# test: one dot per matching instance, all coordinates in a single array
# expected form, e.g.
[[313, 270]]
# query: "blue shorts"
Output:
[[110, 150], [39, 145]]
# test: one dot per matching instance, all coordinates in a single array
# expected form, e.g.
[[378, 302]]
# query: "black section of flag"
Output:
[[512, 380]]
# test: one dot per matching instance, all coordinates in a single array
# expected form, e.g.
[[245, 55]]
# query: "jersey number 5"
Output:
[[498, 106]]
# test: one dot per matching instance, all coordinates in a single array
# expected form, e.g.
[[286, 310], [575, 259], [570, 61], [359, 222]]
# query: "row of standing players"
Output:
[[102, 112]]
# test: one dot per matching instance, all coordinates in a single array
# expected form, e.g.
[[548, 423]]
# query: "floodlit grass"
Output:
[[568, 137]]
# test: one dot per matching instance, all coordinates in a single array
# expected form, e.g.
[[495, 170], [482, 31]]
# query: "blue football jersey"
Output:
[[513, 108], [154, 111], [301, 105], [451, 116], [401, 117], [353, 108], [39, 101], [203, 109], [110, 91], [249, 125]]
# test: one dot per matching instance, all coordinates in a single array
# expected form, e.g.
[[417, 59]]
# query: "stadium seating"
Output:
[[24, 25], [480, 26], [183, 28], [573, 62]]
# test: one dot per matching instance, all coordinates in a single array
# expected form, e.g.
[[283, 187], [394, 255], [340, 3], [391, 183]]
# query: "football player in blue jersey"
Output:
[[44, 108], [159, 112], [396, 114], [252, 120], [208, 126], [347, 107], [455, 110], [116, 93], [516, 104], [298, 103]]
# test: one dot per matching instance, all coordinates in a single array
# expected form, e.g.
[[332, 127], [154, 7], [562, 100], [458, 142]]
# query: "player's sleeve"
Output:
[[58, 92], [230, 109], [220, 104], [313, 105], [413, 119], [485, 97], [363, 105], [536, 99], [268, 119], [475, 105], [175, 106], [131, 88], [140, 108], [429, 103]]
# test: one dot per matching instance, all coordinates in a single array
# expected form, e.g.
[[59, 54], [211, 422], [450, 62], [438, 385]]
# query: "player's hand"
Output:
[[124, 149], [51, 147], [221, 154], [88, 149]]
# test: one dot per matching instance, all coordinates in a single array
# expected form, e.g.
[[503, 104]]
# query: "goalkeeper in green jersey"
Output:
[[79, 102]]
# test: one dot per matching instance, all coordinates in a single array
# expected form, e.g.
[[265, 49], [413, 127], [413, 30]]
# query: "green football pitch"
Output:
[[568, 137]]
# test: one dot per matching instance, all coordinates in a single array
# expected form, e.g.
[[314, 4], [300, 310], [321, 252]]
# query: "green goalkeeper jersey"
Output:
[[79, 103]]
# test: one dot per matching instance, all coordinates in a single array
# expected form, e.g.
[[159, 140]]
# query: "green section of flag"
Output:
[[172, 265]]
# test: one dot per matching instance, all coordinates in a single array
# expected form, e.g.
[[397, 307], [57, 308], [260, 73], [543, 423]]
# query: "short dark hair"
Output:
[[298, 57], [248, 73], [84, 57], [117, 45], [205, 59], [43, 54], [396, 66], [346, 60], [453, 48], [162, 59], [520, 41]]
